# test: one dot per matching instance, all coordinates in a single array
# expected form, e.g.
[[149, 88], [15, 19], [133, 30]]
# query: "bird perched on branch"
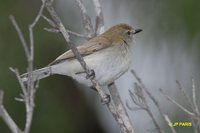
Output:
[[107, 54]]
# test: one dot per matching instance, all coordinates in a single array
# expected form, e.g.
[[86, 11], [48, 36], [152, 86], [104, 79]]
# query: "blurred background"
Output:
[[167, 50]]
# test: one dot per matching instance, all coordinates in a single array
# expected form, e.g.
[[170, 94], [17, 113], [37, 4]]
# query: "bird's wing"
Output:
[[93, 45]]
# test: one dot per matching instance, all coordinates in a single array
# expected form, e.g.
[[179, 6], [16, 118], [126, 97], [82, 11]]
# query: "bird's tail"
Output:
[[37, 74]]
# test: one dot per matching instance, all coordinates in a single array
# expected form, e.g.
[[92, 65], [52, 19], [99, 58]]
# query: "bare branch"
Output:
[[19, 99], [177, 104], [99, 24], [53, 30], [49, 21], [194, 114], [184, 93], [139, 99], [87, 23], [29, 90], [31, 37], [29, 100], [150, 96], [21, 36], [78, 35], [121, 110], [23, 88], [7, 118], [145, 89], [133, 108], [169, 121], [39, 15], [1, 97], [196, 109]]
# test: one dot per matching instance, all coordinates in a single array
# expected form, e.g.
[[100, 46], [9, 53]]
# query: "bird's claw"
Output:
[[106, 99], [91, 74]]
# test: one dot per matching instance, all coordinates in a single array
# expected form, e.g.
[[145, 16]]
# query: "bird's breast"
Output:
[[109, 64]]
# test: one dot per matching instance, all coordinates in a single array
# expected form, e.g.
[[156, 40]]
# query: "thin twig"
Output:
[[86, 19], [55, 30], [196, 109], [1, 97], [184, 93], [150, 96], [194, 114], [177, 104], [158, 128], [78, 35], [99, 24], [31, 88], [7, 118], [145, 89], [49, 21], [139, 99], [23, 88], [21, 36], [169, 121]]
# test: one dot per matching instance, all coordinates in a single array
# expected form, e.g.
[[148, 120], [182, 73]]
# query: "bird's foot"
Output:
[[91, 74], [106, 99]]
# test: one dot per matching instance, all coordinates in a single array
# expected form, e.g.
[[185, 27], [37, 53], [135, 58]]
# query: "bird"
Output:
[[108, 54]]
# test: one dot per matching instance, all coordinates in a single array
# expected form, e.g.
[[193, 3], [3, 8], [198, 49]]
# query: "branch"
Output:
[[139, 99], [144, 87], [23, 88], [177, 104], [86, 19], [126, 124], [195, 108], [29, 90], [21, 36], [184, 93], [6, 117], [194, 100], [78, 35], [169, 121], [150, 96], [99, 24], [194, 114], [55, 30]]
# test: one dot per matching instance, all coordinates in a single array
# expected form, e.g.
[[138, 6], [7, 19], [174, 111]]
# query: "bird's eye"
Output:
[[128, 33]]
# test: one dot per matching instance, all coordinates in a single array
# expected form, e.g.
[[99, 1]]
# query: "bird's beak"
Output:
[[137, 31]]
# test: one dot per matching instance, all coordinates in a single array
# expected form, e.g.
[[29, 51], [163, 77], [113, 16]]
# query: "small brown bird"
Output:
[[107, 54]]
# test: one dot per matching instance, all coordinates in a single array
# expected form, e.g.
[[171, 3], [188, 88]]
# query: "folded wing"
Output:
[[93, 45]]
